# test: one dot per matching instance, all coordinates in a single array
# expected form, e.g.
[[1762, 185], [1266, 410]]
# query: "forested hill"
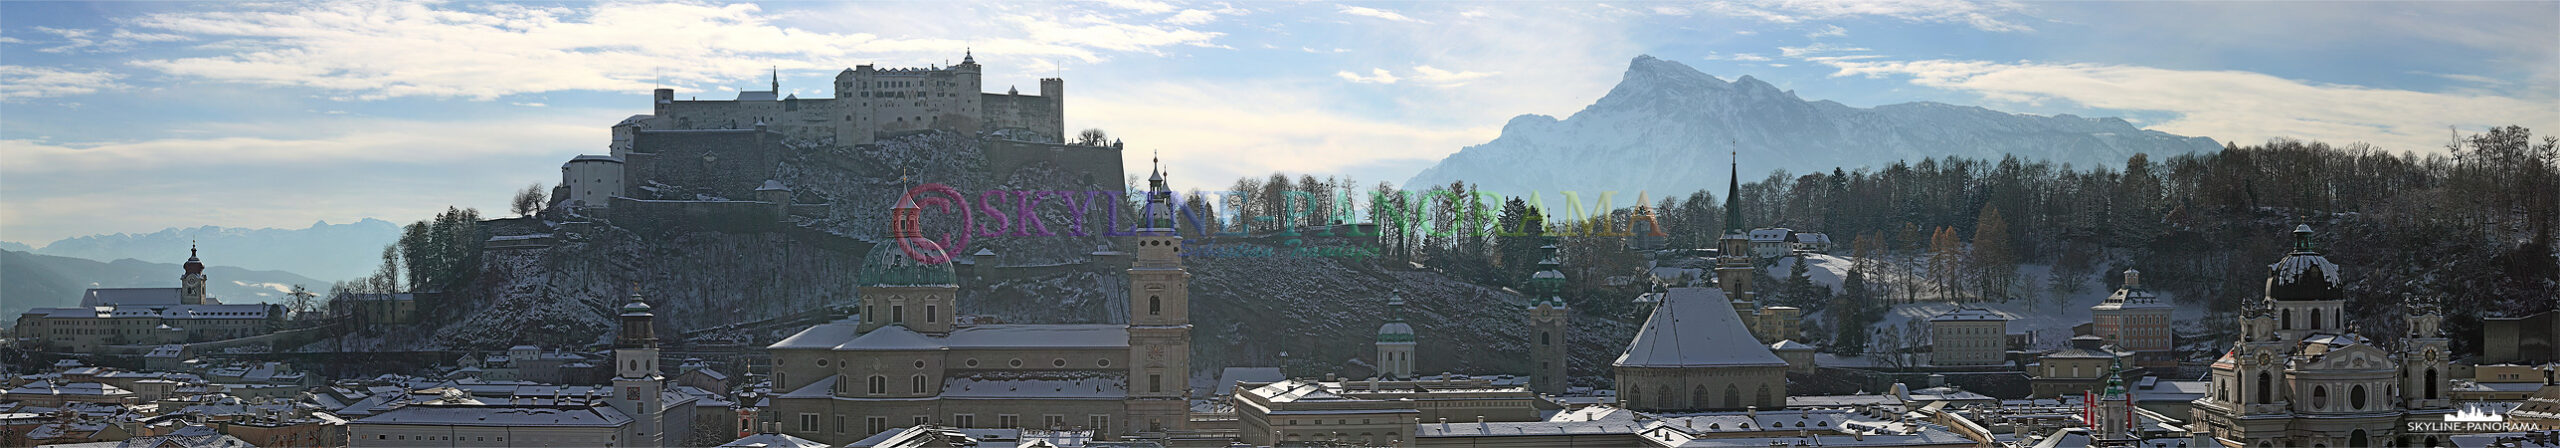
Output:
[[2472, 227]]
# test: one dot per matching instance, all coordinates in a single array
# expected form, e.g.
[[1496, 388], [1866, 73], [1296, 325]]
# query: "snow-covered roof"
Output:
[[755, 95], [1812, 238], [1963, 313], [515, 416], [1695, 327], [1039, 336], [593, 158], [1227, 378], [893, 337], [821, 336], [249, 311], [772, 441], [1770, 235], [1789, 344]]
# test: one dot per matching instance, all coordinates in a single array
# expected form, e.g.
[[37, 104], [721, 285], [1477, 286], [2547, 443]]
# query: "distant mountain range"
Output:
[[324, 250], [1662, 128], [38, 281]]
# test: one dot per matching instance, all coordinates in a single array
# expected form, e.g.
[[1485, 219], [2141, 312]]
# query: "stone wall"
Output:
[[723, 216], [726, 163]]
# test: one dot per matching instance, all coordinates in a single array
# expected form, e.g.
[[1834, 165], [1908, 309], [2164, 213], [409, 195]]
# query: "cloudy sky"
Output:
[[137, 116]]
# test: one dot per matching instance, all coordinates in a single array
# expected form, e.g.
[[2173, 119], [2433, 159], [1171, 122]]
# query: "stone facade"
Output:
[[2307, 382], [1969, 337], [2134, 319]]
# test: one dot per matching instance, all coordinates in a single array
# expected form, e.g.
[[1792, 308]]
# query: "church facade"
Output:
[[2300, 376], [907, 359]]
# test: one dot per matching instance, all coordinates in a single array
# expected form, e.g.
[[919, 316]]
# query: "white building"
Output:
[[590, 181], [1968, 336], [147, 317]]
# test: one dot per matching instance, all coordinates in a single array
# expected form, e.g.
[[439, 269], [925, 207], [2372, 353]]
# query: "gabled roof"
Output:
[[1696, 327]]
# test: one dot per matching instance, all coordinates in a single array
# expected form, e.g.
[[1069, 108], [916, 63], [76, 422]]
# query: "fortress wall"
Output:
[[1036, 113], [722, 216], [1097, 167], [731, 163]]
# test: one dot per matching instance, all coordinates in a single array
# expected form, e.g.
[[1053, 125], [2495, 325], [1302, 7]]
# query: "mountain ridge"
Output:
[[1656, 130]]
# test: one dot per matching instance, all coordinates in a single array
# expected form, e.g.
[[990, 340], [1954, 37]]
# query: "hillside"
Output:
[[1664, 128], [38, 281]]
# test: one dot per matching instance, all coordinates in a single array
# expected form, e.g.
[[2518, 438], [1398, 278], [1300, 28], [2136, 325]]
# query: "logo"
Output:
[[2475, 418]]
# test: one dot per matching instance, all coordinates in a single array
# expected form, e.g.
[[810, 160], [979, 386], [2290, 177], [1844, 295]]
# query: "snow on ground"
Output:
[[2049, 316]]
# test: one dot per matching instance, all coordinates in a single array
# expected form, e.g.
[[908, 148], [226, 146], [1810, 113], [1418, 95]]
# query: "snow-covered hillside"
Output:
[[1663, 127]]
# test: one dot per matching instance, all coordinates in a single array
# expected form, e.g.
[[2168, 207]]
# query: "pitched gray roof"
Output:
[[1696, 327]]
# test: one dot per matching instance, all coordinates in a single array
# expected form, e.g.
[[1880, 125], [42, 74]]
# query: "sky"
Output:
[[139, 116]]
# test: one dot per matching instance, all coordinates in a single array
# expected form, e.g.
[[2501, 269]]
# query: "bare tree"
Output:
[[1092, 137], [529, 201]]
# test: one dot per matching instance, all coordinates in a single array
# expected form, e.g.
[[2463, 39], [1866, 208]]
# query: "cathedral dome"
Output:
[[1395, 329], [2304, 274], [907, 258]]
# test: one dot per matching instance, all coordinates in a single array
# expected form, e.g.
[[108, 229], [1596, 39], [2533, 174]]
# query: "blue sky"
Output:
[[137, 116]]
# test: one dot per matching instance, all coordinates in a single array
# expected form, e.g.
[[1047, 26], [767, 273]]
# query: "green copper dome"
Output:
[[889, 264]]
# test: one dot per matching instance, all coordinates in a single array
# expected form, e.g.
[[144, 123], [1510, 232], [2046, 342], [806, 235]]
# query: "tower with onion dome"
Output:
[[907, 279], [191, 285], [1549, 318], [1395, 343], [637, 385]]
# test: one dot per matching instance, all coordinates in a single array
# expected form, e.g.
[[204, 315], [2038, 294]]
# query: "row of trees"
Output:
[[432, 255]]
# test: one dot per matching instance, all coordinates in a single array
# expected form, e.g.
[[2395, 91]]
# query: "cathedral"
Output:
[[1708, 348], [2301, 376], [906, 359]]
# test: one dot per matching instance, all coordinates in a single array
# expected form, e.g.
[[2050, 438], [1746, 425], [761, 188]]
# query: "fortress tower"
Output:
[[873, 101]]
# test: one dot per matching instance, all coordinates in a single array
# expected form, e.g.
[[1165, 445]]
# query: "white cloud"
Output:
[[486, 50], [2235, 106], [1816, 49], [1444, 78], [1828, 31], [1379, 13], [1714, 56], [1982, 15], [1143, 6], [19, 83], [1215, 132], [1192, 17], [1376, 76]]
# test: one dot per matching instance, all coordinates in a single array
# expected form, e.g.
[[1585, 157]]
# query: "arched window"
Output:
[[1155, 306], [2320, 397], [1633, 393], [879, 384], [2266, 387], [2315, 320], [919, 384], [1545, 338], [2358, 439], [2431, 383], [2355, 397], [1698, 397], [1764, 403], [1732, 397], [2288, 320]]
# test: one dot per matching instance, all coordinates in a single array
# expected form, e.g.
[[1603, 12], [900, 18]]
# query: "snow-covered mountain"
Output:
[[1665, 129], [324, 251]]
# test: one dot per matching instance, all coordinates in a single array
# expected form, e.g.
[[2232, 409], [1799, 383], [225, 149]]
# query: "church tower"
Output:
[[2110, 417], [2424, 357], [1733, 256], [191, 285], [1549, 317], [1159, 318], [1395, 343], [636, 382], [907, 279]]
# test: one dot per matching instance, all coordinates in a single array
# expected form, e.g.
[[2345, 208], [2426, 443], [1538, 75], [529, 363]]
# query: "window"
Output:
[[2319, 396], [1155, 382], [898, 313], [965, 420], [1101, 423], [879, 384], [875, 425], [930, 315], [1015, 362], [2431, 383], [1060, 362], [1008, 421], [1155, 306], [1732, 397], [2355, 397], [808, 422], [1545, 338], [840, 424], [2267, 383], [1055, 421], [919, 385], [919, 421], [1104, 362]]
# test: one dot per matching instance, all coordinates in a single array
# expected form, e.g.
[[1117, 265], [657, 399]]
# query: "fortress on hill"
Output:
[[870, 102]]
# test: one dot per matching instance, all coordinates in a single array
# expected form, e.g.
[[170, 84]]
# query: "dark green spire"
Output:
[[1732, 195]]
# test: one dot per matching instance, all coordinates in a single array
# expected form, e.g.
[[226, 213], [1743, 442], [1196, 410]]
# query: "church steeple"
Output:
[[1733, 197], [777, 79]]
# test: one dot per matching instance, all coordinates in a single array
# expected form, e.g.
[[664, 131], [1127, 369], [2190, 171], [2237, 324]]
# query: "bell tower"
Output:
[[2424, 359], [636, 382], [191, 285], [1159, 318]]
